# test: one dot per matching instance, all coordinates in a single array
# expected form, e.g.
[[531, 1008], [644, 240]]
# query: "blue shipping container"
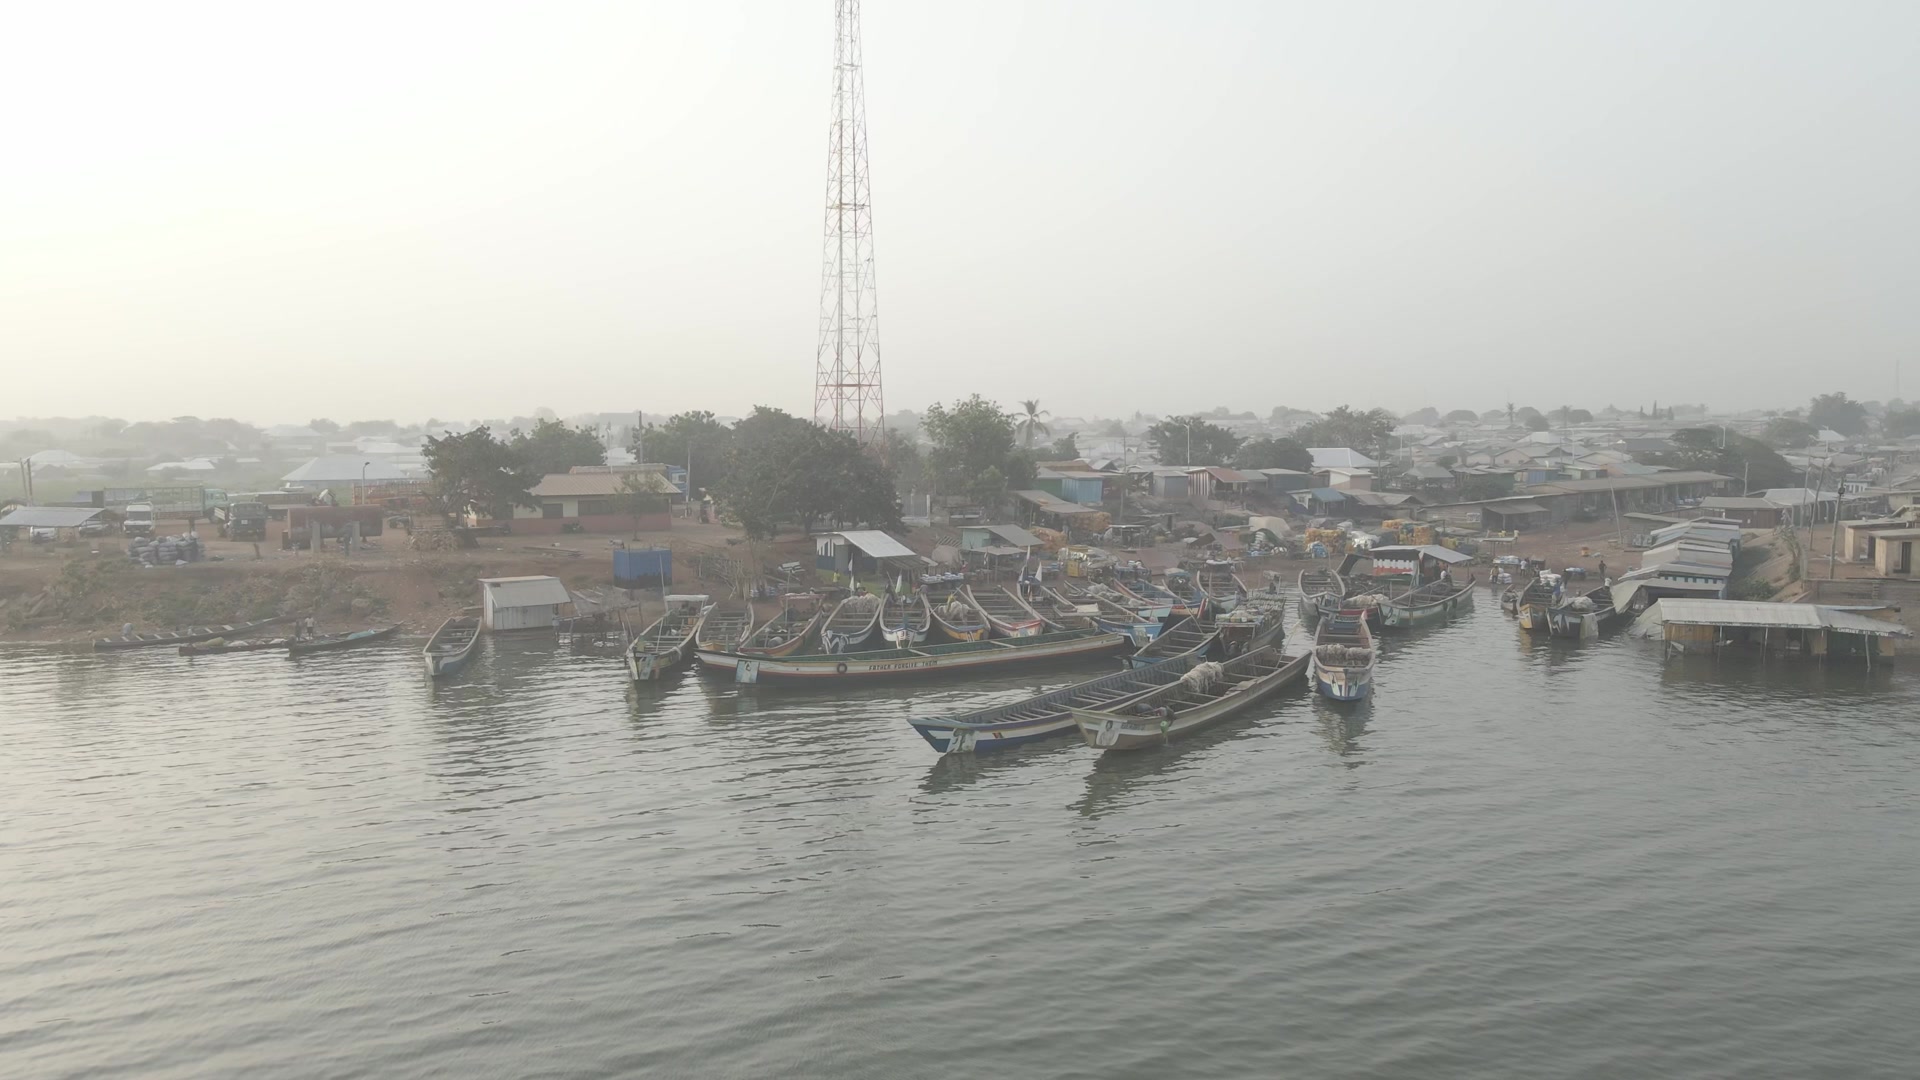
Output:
[[643, 567]]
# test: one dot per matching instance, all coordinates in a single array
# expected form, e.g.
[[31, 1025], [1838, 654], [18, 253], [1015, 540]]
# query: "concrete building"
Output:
[[1753, 512], [590, 501], [522, 603], [1893, 554]]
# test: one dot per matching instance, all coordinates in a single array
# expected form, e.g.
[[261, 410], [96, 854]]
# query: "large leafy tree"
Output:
[[1064, 448], [784, 470], [973, 452], [553, 447], [1900, 423], [1461, 416], [689, 437], [1190, 440], [1365, 430], [1742, 458], [477, 472], [1837, 412], [902, 455], [1273, 454]]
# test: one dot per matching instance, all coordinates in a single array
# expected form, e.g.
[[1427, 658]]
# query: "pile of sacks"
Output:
[[166, 550]]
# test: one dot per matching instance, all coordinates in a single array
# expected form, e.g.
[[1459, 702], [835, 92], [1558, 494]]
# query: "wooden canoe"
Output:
[[451, 646], [1201, 698], [332, 642], [186, 636]]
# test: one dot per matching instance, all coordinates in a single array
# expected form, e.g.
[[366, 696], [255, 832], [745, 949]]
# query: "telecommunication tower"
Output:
[[846, 394]]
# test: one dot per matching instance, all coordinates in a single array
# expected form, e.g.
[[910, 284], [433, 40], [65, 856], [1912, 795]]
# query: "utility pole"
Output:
[[1833, 547]]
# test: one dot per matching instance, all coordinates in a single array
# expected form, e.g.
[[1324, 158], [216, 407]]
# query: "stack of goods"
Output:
[[166, 550]]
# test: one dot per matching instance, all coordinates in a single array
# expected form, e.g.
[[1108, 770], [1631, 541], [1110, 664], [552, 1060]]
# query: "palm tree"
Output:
[[1028, 420]]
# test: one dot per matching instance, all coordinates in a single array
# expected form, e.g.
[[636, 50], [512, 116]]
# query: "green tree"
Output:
[[1536, 422], [636, 497], [1527, 415], [1486, 486], [1428, 416], [1836, 412], [902, 455], [1461, 416], [479, 473], [1788, 433], [553, 447], [784, 470], [371, 427], [689, 438], [1064, 448], [1368, 431], [1027, 421], [324, 426], [1273, 454], [1190, 440], [1742, 458], [973, 451]]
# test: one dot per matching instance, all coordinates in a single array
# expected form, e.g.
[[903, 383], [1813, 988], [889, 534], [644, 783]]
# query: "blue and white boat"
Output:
[[1344, 656]]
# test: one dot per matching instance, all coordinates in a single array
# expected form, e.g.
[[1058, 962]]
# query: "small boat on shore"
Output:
[[667, 643], [1185, 636], [787, 632], [451, 646], [905, 620], [1434, 602], [1582, 617], [921, 660], [1252, 626], [221, 646], [187, 636], [1205, 695], [852, 623], [1317, 585], [1061, 613], [1156, 597], [331, 642], [1010, 616], [1192, 599], [726, 626], [1344, 657], [1043, 716], [958, 619], [1510, 594]]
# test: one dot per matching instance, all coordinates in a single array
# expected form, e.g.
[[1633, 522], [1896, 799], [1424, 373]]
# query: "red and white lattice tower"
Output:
[[846, 394]]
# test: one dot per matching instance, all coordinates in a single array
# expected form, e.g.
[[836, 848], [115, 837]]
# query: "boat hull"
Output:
[[1409, 617], [1047, 716], [1342, 684], [1110, 730], [923, 661]]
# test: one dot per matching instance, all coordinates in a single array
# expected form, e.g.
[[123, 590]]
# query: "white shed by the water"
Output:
[[522, 603]]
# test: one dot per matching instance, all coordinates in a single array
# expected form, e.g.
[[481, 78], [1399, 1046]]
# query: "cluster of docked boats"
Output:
[[1543, 603], [245, 637]]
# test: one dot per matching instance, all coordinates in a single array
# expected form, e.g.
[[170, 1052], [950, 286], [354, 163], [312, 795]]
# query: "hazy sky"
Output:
[[458, 210]]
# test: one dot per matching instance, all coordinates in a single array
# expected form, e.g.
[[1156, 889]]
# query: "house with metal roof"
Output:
[[522, 603], [48, 517], [1813, 630], [595, 502], [864, 553], [1340, 457], [343, 470], [1751, 511]]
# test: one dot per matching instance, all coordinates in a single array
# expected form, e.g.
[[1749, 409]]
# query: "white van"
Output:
[[139, 519]]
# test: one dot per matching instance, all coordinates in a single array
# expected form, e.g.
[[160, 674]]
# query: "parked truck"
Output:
[[244, 520], [335, 522], [138, 519]]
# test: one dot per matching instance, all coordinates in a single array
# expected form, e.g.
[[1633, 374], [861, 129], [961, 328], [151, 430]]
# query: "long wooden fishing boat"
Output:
[[667, 643], [1187, 635], [852, 624], [1533, 604], [1510, 595], [1316, 583], [1218, 583], [922, 660], [1061, 613], [221, 646], [1112, 616], [1156, 610], [1254, 625], [451, 646], [905, 620], [1043, 716], [1582, 616], [1192, 599], [1155, 596], [1010, 616], [1434, 602], [788, 632], [331, 642], [726, 626], [1344, 657], [186, 636], [1208, 694], [958, 619]]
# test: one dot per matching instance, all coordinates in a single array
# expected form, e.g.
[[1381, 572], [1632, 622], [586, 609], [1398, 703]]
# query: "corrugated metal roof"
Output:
[[50, 517], [1015, 535], [1738, 502], [568, 485], [1515, 506], [1432, 551], [512, 592], [876, 544], [1756, 613], [342, 468], [1329, 494], [1053, 504]]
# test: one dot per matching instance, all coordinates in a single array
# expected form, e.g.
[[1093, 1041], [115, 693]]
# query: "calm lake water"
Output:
[[1520, 860]]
